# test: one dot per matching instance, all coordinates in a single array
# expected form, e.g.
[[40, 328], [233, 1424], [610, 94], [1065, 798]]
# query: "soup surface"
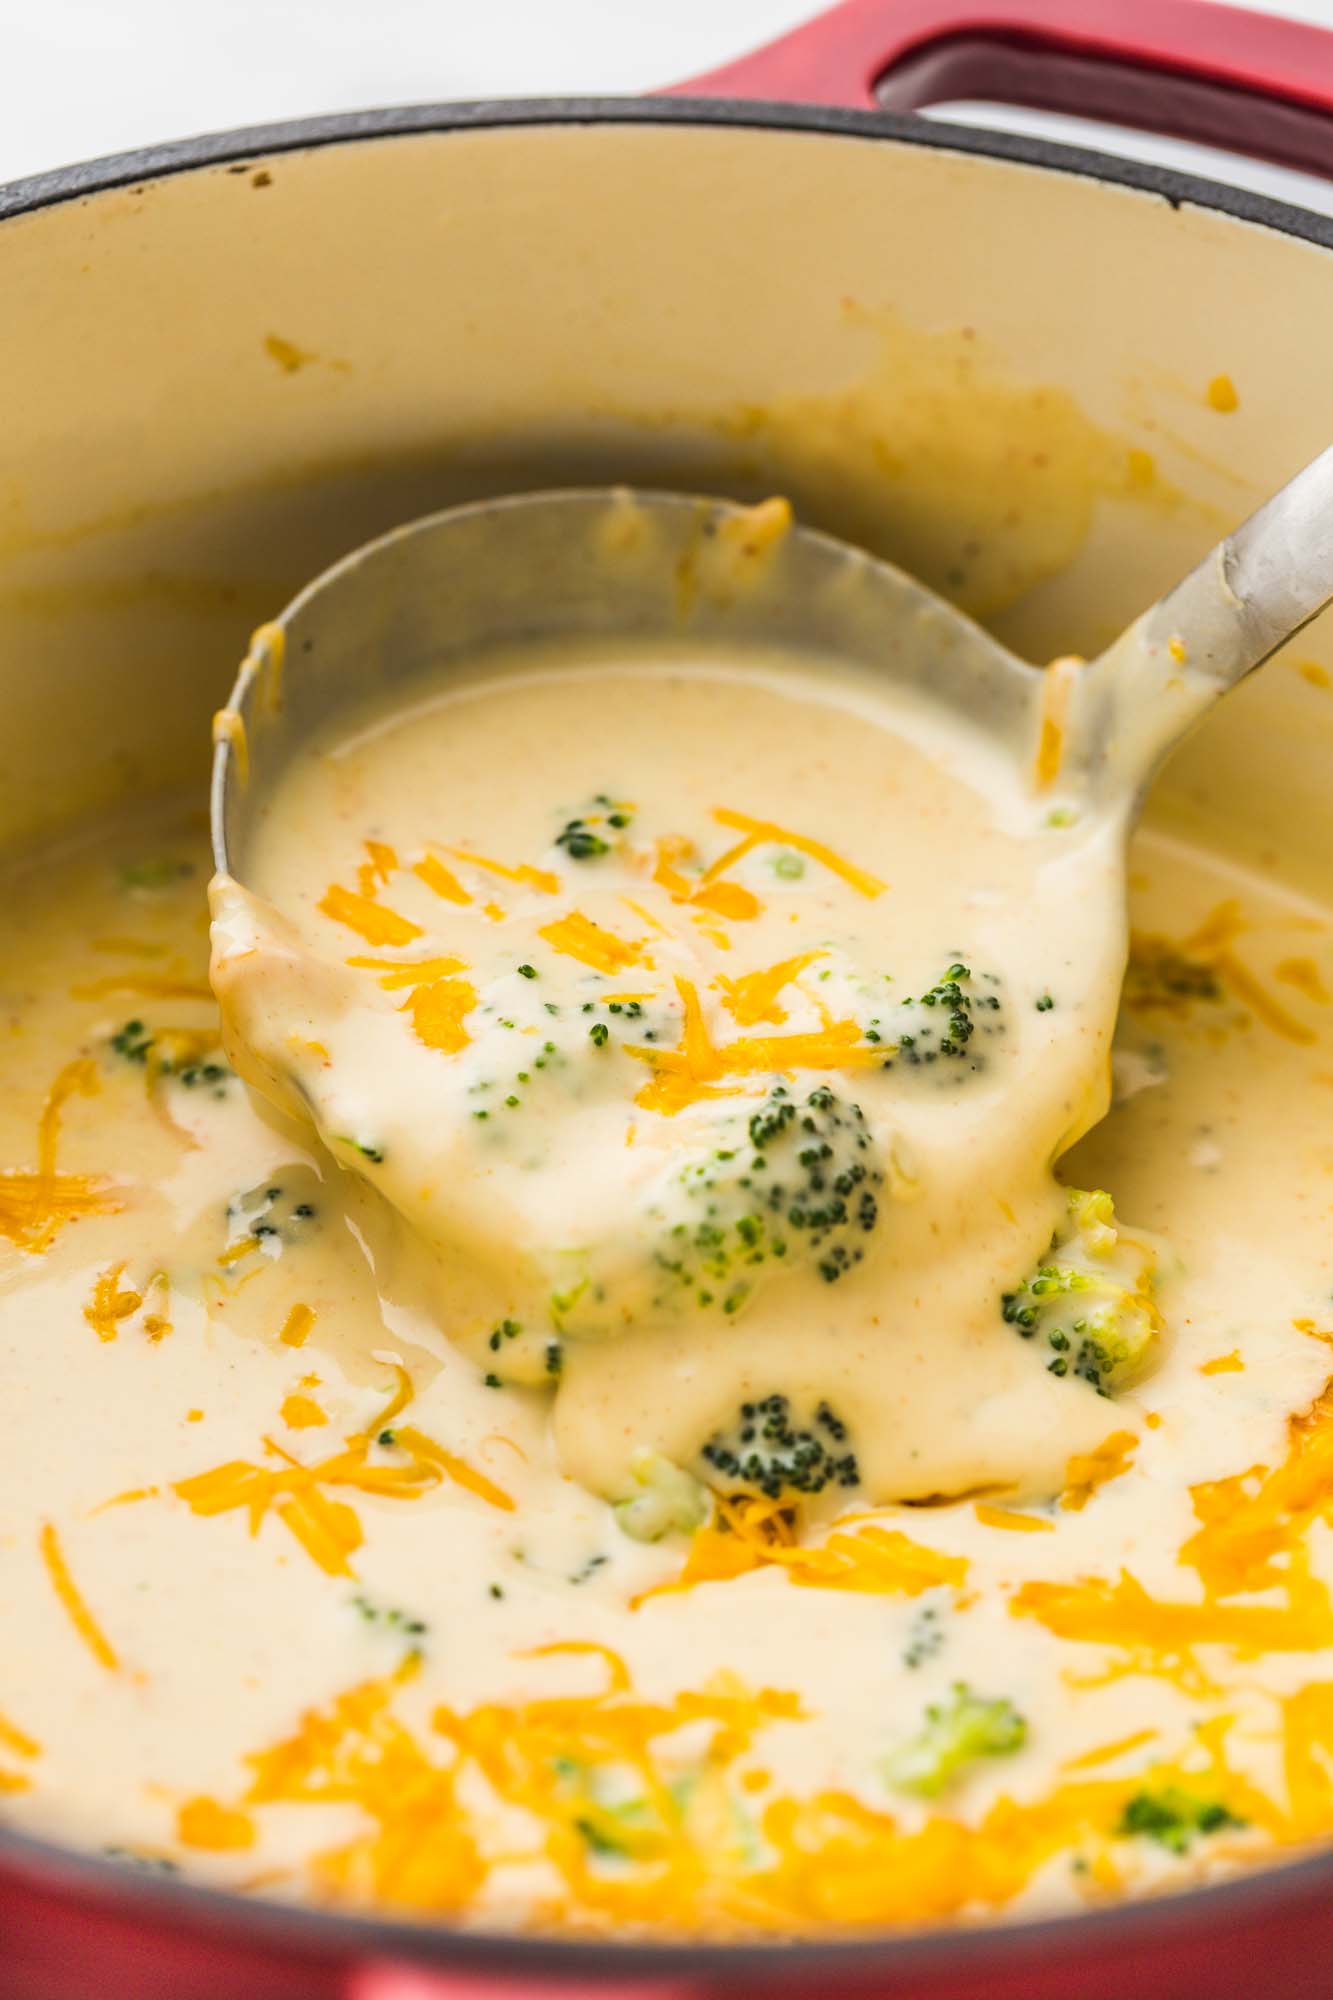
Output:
[[497, 1506]]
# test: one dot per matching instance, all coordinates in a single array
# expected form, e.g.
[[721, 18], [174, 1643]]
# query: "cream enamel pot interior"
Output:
[[230, 361]]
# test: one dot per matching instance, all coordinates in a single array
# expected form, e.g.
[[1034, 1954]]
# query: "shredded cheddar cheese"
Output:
[[397, 973], [327, 1529], [1058, 686], [687, 1074], [528, 877], [591, 944], [203, 1823], [766, 832], [296, 1327], [749, 1534], [442, 880], [34, 1207], [438, 1012], [1017, 1524], [1089, 1470], [754, 996], [229, 728], [19, 1744], [73, 1602], [370, 920]]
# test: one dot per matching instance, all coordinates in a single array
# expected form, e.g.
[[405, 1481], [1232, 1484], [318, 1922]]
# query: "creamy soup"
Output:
[[625, 1428], [732, 1070]]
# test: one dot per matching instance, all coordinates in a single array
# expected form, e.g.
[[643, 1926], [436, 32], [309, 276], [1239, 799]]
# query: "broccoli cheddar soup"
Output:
[[673, 1344]]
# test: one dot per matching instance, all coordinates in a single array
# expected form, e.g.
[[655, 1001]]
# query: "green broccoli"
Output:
[[940, 1024], [580, 837], [798, 1180], [765, 1449], [956, 1733], [665, 1500], [278, 1213], [1090, 1300], [154, 873], [171, 1052], [133, 1041], [1173, 1817]]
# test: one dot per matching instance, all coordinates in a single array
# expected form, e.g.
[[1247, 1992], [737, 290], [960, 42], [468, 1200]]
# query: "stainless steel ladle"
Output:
[[599, 563]]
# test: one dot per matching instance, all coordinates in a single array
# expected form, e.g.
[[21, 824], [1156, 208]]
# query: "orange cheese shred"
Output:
[[203, 1823], [295, 1330], [455, 1468], [1058, 685], [766, 832], [687, 1074], [229, 728], [34, 1207], [728, 899], [109, 1305], [438, 1012], [18, 1740], [600, 1774], [397, 973], [1160, 1636], [1251, 1523], [1106, 1753], [300, 1496], [747, 1534], [370, 920], [1307, 1732], [577, 936], [19, 1744], [432, 871], [754, 996], [531, 878], [72, 1601], [301, 1412], [1018, 1524], [383, 859], [1086, 1471]]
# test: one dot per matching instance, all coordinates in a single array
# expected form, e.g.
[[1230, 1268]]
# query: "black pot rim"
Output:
[[1269, 1894]]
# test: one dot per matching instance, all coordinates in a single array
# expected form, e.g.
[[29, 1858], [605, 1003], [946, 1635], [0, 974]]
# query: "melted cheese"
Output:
[[399, 1659], [820, 895]]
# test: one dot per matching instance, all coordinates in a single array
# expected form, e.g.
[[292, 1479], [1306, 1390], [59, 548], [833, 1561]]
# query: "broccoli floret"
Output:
[[154, 873], [798, 1180], [1089, 1302], [276, 1213], [586, 838], [665, 1500], [925, 1637], [766, 1450], [1173, 1817], [133, 1041], [1161, 977], [185, 1053], [389, 1617], [956, 1732], [939, 1025], [580, 842], [768, 1185]]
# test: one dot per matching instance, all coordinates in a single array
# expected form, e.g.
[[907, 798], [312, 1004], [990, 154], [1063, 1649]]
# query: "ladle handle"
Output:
[[1257, 588], [1249, 595]]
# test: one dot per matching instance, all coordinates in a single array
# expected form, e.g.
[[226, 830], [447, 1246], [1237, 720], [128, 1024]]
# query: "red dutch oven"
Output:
[[227, 360]]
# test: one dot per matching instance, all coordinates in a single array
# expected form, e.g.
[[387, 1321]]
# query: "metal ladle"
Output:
[[638, 566]]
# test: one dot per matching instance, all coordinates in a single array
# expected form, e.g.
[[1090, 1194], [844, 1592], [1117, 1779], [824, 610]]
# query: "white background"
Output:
[[84, 77]]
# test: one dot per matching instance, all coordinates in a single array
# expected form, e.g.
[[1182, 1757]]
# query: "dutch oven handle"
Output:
[[1223, 76]]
